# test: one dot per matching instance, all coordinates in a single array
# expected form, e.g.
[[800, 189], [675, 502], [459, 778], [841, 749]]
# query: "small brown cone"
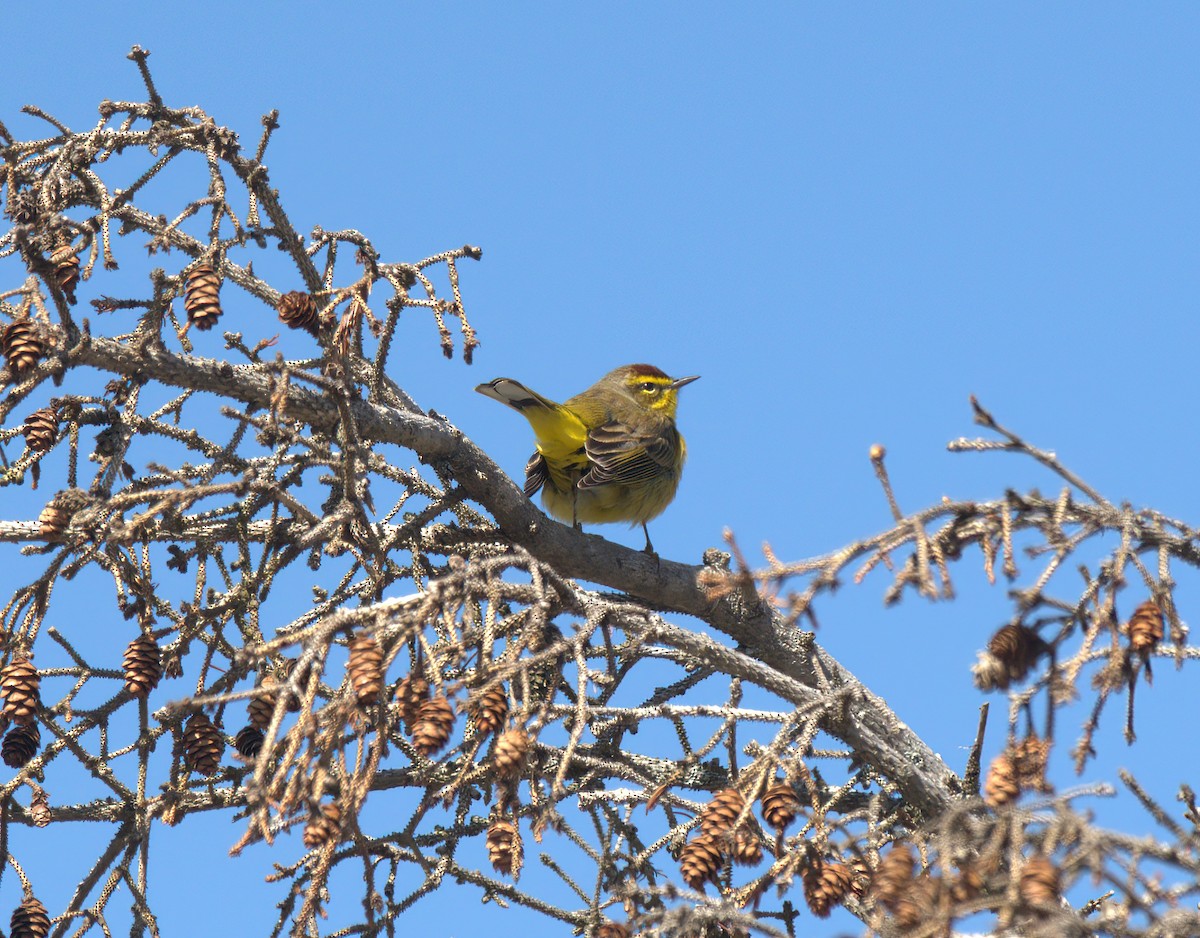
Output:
[[1145, 627], [301, 680], [717, 817], [22, 206], [860, 878], [1029, 758], [1003, 785], [203, 745], [512, 751], [249, 741], [56, 516], [1039, 881], [201, 297], [298, 310], [19, 684], [143, 666], [966, 886], [490, 710], [66, 270], [411, 693], [1011, 652], [747, 847], [21, 744], [543, 678], [700, 861], [53, 521], [916, 905], [29, 920], [502, 845], [41, 430], [780, 805], [323, 827], [261, 707], [22, 345], [825, 885], [39, 810], [893, 876], [365, 665], [434, 723], [613, 930]]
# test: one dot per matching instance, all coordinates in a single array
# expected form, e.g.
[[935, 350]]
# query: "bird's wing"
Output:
[[536, 474], [620, 454]]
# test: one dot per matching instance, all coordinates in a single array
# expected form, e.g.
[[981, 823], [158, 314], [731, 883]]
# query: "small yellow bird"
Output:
[[611, 453]]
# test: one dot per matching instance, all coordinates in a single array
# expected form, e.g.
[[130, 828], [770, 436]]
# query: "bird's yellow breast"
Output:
[[635, 503]]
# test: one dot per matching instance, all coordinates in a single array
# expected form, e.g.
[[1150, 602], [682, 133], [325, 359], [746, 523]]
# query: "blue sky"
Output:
[[846, 218]]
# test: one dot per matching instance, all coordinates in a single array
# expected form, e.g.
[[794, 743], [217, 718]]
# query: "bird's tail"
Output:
[[559, 431], [515, 395]]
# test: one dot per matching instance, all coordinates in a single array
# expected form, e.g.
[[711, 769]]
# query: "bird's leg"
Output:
[[575, 508], [649, 548]]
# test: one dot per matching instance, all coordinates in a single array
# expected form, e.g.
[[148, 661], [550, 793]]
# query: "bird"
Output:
[[611, 453]]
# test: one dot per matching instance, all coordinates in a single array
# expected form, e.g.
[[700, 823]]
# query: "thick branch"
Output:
[[865, 723]]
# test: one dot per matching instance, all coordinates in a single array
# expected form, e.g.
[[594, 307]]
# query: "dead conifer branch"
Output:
[[323, 598]]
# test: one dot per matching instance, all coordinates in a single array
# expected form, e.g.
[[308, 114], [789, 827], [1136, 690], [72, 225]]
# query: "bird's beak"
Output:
[[680, 382]]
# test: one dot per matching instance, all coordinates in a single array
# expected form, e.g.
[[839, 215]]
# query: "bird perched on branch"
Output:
[[611, 453]]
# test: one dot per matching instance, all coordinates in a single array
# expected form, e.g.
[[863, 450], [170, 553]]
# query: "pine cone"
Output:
[[19, 686], [22, 345], [41, 430], [39, 810], [29, 920], [1145, 627], [261, 707], [22, 206], [56, 516], [1011, 652], [143, 666], [298, 310], [612, 930], [1029, 758], [21, 744], [434, 723], [544, 680], [545, 677], [916, 905], [967, 886], [323, 827], [747, 847], [53, 521], [825, 885], [203, 745], [301, 680], [201, 297], [365, 665], [249, 741], [860, 878], [718, 815], [700, 861], [66, 270], [512, 751], [1039, 881], [503, 847], [1003, 785], [490, 710], [411, 693], [780, 806], [893, 876]]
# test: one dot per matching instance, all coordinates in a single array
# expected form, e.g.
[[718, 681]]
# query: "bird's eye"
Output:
[[649, 387]]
